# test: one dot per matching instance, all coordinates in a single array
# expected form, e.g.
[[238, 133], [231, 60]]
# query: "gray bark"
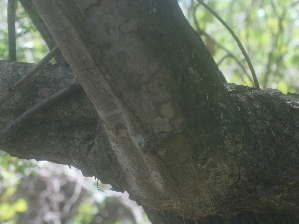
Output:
[[184, 144]]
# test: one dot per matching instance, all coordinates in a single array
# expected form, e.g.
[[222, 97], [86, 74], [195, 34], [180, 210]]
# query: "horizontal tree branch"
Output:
[[265, 164]]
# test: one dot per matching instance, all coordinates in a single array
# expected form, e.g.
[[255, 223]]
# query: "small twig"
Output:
[[256, 83], [11, 18], [222, 59], [229, 53], [12, 90], [42, 105]]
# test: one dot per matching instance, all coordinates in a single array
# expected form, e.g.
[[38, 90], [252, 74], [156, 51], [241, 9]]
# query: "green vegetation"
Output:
[[30, 45], [269, 30], [11, 171]]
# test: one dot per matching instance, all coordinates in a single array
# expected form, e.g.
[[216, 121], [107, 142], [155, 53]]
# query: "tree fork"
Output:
[[183, 142]]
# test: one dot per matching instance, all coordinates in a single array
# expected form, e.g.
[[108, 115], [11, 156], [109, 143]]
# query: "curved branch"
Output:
[[229, 53], [237, 40]]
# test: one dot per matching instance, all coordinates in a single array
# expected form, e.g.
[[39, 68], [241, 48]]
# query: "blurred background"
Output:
[[43, 192], [268, 30]]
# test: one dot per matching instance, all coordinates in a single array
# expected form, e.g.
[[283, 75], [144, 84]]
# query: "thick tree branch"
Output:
[[172, 134], [37, 108], [266, 162], [11, 18], [13, 89], [67, 132]]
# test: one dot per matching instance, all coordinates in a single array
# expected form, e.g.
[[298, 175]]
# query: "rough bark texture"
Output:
[[184, 144]]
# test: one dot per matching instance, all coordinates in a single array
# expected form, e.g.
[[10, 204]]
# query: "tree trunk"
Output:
[[187, 146]]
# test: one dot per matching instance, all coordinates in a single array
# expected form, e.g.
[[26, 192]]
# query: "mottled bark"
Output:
[[184, 144]]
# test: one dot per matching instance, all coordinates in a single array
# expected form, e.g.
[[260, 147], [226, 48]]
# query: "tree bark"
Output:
[[187, 146]]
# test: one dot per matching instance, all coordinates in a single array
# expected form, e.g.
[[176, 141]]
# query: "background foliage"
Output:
[[268, 29]]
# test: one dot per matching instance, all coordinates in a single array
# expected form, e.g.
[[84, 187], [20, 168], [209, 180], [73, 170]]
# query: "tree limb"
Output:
[[11, 17], [11, 91], [37, 108]]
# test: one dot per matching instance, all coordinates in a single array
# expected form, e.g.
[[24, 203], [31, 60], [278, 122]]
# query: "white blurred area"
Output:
[[59, 194]]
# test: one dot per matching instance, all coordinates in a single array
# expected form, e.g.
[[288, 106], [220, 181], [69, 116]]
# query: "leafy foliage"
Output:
[[12, 170], [269, 30], [30, 45]]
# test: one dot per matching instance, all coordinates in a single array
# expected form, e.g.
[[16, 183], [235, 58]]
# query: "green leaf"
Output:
[[20, 205]]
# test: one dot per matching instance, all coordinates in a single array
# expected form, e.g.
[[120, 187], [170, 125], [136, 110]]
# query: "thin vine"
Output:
[[256, 83]]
